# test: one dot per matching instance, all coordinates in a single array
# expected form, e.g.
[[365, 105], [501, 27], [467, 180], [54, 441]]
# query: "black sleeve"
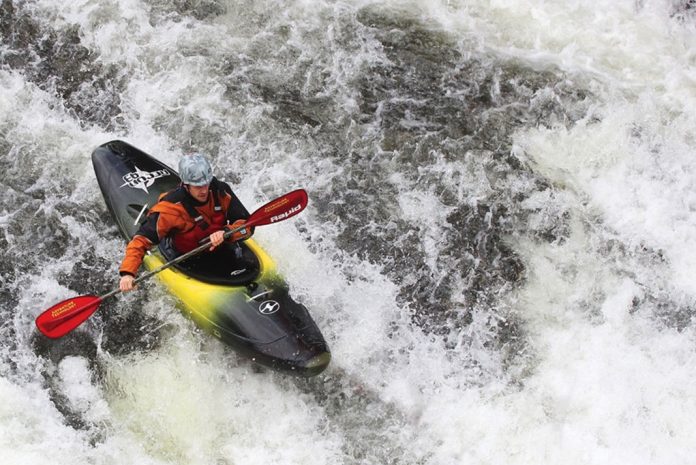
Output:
[[148, 229], [236, 210]]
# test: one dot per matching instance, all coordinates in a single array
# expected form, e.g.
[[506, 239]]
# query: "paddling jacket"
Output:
[[184, 220]]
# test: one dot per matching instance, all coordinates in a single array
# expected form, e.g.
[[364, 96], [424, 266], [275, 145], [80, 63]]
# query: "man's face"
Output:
[[199, 193]]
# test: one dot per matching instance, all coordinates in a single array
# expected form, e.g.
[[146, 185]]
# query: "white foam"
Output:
[[603, 382], [83, 396], [31, 431], [188, 407]]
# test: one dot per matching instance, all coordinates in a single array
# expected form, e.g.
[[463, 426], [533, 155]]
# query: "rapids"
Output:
[[499, 248]]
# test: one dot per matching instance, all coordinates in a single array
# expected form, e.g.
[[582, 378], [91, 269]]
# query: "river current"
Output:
[[499, 247]]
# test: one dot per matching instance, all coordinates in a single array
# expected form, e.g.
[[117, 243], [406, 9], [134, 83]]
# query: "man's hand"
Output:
[[216, 239], [126, 283]]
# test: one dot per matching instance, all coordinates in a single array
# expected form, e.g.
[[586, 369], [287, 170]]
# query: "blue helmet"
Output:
[[195, 170]]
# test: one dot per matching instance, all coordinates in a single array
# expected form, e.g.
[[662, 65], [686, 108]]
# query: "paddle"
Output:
[[67, 315]]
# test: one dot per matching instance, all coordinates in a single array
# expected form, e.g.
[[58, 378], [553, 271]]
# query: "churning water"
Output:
[[500, 244]]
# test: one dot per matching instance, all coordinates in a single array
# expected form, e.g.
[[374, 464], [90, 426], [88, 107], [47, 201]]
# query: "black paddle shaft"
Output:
[[174, 261]]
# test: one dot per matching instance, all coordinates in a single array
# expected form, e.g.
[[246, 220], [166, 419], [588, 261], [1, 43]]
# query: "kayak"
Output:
[[235, 293]]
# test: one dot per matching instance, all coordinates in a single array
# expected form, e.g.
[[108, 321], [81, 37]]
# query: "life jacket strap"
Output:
[[179, 195], [193, 213], [214, 188]]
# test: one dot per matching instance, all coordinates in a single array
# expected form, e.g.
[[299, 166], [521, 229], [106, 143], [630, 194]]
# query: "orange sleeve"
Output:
[[135, 251]]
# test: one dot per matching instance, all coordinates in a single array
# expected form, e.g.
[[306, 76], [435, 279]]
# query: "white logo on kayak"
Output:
[[236, 272], [140, 179], [269, 306], [286, 214]]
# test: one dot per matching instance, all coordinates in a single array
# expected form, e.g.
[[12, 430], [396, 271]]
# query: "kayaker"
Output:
[[201, 207]]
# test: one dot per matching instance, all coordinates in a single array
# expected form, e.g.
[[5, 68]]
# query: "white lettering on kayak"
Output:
[[140, 179], [286, 214], [268, 307]]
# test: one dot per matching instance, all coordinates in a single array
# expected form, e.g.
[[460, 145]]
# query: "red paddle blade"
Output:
[[279, 209], [67, 315]]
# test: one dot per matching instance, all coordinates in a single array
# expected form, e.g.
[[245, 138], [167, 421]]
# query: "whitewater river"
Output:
[[500, 244]]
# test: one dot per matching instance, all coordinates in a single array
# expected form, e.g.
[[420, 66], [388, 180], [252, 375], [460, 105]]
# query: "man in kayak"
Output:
[[201, 207]]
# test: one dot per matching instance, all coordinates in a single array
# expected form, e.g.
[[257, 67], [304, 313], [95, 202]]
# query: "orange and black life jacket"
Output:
[[183, 222], [202, 222]]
